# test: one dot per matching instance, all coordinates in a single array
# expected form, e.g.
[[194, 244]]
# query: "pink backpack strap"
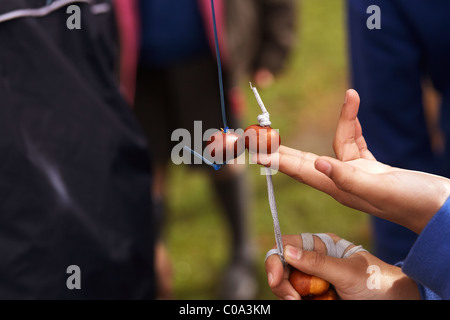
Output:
[[128, 26]]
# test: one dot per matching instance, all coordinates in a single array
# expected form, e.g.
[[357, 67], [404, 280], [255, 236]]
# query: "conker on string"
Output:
[[259, 139], [225, 146], [308, 285]]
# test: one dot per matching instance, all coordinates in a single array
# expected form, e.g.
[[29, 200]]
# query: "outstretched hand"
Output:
[[356, 179]]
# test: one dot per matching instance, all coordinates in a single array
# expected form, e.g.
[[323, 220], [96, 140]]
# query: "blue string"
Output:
[[215, 166], [219, 67], [222, 98]]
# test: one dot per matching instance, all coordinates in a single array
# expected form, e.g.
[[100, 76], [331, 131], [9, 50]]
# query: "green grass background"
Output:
[[304, 104]]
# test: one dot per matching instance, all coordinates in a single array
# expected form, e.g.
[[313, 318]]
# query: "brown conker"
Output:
[[260, 139], [225, 146], [307, 285]]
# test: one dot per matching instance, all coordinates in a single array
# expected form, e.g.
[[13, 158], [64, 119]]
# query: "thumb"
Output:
[[344, 176], [354, 181], [334, 270]]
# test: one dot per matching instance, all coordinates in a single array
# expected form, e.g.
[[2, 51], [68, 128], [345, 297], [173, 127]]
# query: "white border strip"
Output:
[[43, 11]]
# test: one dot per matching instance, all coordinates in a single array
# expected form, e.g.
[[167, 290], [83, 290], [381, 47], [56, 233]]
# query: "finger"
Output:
[[291, 151], [278, 275], [341, 173], [298, 165], [344, 144], [355, 188], [272, 160], [285, 290], [274, 271], [274, 266], [334, 270], [305, 168], [351, 178], [278, 279]]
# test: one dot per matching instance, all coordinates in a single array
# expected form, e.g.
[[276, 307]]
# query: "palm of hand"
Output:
[[406, 197]]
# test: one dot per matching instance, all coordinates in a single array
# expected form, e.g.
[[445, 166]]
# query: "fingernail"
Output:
[[288, 297], [270, 279], [346, 96], [324, 167], [293, 253]]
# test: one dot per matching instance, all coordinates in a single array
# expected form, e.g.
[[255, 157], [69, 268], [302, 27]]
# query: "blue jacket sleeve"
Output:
[[428, 262]]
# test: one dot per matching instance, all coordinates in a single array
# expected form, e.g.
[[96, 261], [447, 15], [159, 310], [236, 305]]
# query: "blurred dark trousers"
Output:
[[389, 67]]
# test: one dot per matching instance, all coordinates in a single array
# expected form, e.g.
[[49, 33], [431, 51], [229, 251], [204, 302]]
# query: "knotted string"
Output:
[[264, 121], [264, 118]]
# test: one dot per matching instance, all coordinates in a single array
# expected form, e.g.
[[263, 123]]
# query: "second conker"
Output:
[[224, 146]]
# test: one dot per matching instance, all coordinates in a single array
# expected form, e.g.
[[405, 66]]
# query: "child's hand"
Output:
[[349, 276], [357, 180]]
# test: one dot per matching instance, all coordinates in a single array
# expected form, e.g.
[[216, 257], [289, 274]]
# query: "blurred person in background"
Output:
[[177, 84], [393, 69], [76, 217]]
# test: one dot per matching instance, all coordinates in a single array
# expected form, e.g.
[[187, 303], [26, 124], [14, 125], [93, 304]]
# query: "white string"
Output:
[[264, 121], [264, 118], [336, 250], [329, 244], [273, 209], [308, 241]]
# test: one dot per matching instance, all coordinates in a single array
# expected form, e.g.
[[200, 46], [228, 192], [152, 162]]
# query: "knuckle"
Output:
[[317, 260], [299, 169]]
